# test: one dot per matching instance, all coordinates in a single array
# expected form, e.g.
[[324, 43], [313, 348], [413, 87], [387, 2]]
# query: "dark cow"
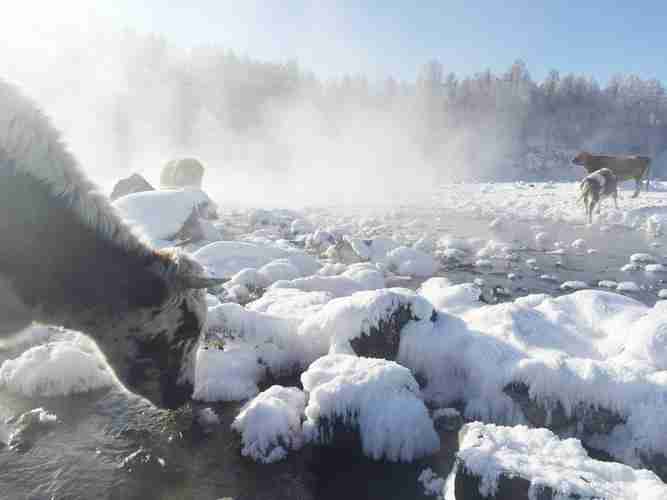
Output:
[[597, 186], [67, 259], [624, 167]]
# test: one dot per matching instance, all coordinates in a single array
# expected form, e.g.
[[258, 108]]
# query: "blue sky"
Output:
[[380, 38]]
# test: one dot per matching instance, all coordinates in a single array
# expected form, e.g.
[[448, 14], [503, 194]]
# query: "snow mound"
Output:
[[57, 369], [290, 303], [375, 250], [270, 424], [574, 285], [377, 398], [358, 277], [159, 215], [226, 258], [226, 375], [627, 286], [451, 298], [272, 339], [492, 453]]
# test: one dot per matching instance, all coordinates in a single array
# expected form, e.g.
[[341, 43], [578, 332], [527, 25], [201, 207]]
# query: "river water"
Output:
[[111, 445]]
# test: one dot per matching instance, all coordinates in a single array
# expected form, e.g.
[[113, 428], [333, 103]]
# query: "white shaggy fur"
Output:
[[28, 138]]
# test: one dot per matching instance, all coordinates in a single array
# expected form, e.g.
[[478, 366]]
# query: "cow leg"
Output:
[[638, 184], [615, 195], [599, 206], [591, 209]]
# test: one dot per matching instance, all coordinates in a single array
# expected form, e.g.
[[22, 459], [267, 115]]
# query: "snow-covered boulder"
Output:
[[371, 401], [301, 226], [162, 215], [374, 250], [452, 298], [366, 323], [182, 172], [57, 369], [408, 261], [290, 303], [270, 424], [643, 258], [319, 241], [135, 183], [518, 463]]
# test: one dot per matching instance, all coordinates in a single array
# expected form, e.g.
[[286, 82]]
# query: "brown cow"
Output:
[[623, 167]]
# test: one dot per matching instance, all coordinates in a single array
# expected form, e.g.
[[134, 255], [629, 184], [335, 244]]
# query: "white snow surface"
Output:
[[270, 424], [226, 258], [541, 457], [357, 277], [560, 203], [380, 398]]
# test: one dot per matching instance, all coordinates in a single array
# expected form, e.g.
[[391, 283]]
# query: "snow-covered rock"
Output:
[[627, 286], [160, 215], [57, 369], [375, 398], [411, 262], [518, 463], [451, 298], [642, 258], [270, 424], [574, 285], [366, 323]]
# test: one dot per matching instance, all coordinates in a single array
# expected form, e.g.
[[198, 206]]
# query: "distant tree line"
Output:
[[449, 117]]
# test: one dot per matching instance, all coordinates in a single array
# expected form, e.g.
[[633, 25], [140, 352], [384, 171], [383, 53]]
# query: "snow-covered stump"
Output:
[[373, 404], [551, 414], [518, 463]]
